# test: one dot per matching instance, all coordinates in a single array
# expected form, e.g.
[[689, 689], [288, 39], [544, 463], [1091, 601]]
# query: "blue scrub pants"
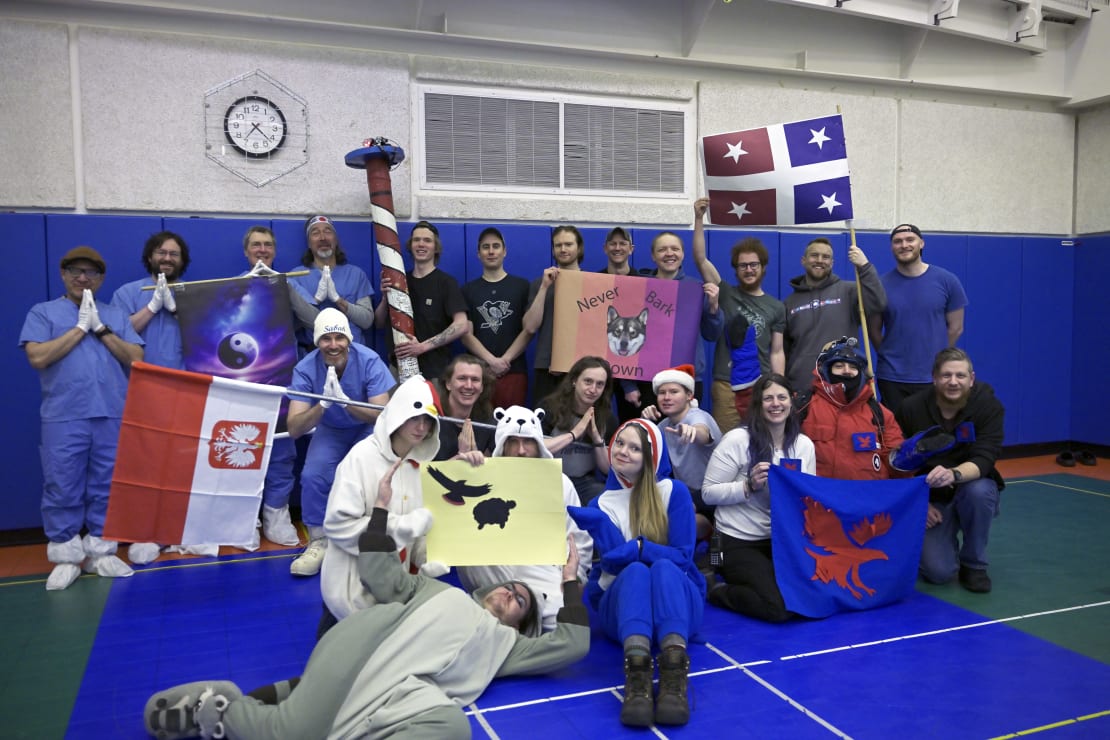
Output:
[[78, 457]]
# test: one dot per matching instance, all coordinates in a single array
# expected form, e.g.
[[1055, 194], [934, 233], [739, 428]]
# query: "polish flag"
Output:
[[192, 458], [788, 173]]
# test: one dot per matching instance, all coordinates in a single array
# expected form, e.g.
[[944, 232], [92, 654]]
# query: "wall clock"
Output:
[[255, 126]]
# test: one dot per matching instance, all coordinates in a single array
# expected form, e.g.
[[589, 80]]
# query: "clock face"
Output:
[[255, 126]]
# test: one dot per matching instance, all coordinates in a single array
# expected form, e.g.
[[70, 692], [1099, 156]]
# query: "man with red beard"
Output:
[[924, 314], [344, 370], [963, 480]]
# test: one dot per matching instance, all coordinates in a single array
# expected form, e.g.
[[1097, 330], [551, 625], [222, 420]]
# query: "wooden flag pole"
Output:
[[859, 293]]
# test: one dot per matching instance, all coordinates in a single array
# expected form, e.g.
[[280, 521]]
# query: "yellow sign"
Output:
[[509, 511]]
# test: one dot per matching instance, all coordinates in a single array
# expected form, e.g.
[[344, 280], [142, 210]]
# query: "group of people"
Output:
[[667, 504]]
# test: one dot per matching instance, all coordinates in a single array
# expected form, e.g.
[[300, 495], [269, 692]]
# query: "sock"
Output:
[[637, 645], [673, 640]]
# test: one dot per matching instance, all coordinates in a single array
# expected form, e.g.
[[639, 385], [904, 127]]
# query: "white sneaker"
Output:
[[308, 562], [108, 566], [278, 527], [141, 553], [62, 576]]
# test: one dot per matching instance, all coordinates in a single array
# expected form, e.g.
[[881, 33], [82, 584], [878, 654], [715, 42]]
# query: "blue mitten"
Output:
[[654, 552], [605, 534], [917, 450], [614, 560]]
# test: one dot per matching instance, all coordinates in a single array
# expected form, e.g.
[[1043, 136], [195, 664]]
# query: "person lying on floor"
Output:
[[402, 667]]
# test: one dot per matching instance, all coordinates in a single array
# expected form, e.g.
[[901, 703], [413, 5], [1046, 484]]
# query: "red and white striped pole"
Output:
[[377, 157]]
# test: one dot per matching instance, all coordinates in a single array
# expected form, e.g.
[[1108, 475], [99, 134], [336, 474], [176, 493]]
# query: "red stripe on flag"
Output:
[[157, 454]]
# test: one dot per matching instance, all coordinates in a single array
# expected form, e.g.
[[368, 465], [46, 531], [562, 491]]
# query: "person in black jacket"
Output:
[[960, 470]]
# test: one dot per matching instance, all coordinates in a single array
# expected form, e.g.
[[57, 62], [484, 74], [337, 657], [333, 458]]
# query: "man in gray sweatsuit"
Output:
[[403, 667]]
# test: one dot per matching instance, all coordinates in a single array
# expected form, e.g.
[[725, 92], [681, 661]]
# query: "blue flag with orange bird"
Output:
[[845, 545]]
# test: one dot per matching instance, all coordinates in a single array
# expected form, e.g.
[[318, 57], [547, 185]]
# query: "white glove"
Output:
[[261, 270], [333, 294], [85, 312], [322, 288], [158, 300], [332, 388], [95, 324], [434, 569], [167, 296]]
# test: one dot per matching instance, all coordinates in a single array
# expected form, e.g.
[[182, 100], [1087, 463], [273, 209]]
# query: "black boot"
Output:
[[636, 710], [672, 706]]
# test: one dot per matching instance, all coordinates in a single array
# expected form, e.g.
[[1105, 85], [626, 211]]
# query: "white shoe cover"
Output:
[[62, 576], [108, 566], [278, 527], [207, 551], [97, 546], [71, 551], [141, 553]]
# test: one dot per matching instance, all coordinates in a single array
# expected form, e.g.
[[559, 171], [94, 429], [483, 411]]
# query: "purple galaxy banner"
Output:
[[239, 328]]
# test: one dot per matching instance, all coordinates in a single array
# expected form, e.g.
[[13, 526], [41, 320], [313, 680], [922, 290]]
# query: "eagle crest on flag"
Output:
[[237, 445], [843, 556]]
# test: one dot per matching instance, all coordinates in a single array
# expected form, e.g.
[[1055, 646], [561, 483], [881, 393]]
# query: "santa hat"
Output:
[[681, 374], [653, 455]]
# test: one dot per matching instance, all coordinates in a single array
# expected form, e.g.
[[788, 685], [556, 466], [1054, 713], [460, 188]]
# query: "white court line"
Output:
[[1057, 485], [807, 712], [482, 721], [946, 629]]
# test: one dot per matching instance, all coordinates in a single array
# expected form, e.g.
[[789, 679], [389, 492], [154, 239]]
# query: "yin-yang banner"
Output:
[[239, 328]]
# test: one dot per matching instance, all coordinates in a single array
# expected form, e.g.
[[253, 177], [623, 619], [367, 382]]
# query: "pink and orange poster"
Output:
[[640, 325]]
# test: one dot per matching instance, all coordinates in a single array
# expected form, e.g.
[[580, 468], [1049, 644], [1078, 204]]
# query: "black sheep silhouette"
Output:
[[457, 490], [493, 511]]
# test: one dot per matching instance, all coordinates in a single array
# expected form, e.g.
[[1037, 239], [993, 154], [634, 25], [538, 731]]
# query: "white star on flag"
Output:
[[819, 137], [736, 151], [829, 202], [740, 210]]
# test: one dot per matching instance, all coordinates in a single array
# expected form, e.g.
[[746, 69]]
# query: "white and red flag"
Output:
[[788, 173], [192, 458]]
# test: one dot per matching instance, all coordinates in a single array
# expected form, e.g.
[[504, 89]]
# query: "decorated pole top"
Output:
[[378, 148]]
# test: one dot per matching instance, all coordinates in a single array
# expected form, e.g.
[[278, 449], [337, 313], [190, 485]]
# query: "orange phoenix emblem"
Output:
[[843, 556]]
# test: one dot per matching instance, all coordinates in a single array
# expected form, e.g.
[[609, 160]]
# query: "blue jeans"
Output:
[[970, 511]]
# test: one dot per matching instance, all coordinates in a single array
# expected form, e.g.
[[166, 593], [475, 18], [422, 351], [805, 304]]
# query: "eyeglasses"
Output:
[[521, 602], [748, 265], [90, 272], [166, 255]]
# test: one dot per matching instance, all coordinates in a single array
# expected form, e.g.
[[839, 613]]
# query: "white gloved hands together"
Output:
[[163, 297], [261, 270], [326, 288], [332, 389], [85, 312], [322, 288]]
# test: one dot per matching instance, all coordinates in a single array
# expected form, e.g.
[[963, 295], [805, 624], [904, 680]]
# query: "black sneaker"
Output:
[[975, 580]]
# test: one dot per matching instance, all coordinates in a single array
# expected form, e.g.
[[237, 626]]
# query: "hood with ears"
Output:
[[517, 421]]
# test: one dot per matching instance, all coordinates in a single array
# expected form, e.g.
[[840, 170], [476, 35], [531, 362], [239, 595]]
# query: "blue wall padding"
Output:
[[1090, 401], [1035, 326], [24, 241]]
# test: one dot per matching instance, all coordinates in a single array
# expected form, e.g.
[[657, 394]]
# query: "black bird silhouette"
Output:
[[458, 489]]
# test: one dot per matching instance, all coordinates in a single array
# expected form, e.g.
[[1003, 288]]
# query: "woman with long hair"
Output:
[[645, 587], [578, 423], [736, 482]]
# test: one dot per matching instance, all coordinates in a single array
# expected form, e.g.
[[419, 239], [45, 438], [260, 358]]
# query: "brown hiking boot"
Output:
[[636, 711], [672, 706]]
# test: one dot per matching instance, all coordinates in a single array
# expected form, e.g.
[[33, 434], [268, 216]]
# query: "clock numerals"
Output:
[[255, 126]]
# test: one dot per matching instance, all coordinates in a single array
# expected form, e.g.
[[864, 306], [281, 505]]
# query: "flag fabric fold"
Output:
[[783, 174], [845, 545], [192, 458]]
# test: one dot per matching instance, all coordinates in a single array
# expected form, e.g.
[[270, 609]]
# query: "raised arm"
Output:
[[708, 271]]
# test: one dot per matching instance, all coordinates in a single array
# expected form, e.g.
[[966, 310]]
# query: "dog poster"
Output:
[[640, 325], [508, 511]]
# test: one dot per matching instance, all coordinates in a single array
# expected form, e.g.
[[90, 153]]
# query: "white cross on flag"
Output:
[[788, 173]]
